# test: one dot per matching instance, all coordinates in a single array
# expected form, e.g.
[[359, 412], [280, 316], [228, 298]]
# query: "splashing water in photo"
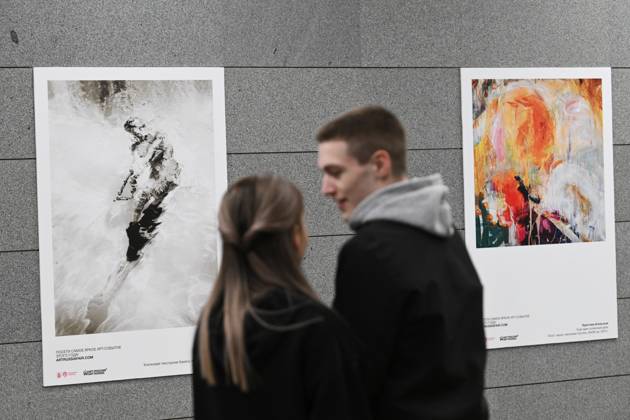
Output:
[[134, 231]]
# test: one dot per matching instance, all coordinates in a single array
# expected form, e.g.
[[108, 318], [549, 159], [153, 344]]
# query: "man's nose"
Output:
[[328, 187]]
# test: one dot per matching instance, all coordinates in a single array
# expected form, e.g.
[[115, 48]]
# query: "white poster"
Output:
[[539, 202], [131, 165]]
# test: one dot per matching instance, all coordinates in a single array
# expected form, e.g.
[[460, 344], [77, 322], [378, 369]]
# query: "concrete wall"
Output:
[[290, 65]]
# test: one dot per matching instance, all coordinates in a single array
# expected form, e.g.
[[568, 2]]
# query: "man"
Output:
[[154, 173], [405, 282]]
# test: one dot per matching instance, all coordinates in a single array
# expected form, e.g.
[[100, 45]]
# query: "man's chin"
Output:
[[344, 211]]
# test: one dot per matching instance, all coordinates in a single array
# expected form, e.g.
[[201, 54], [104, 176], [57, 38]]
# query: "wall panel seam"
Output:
[[560, 381], [343, 67], [332, 235], [298, 152], [487, 388], [413, 149], [14, 251], [286, 152], [383, 67], [325, 235], [8, 343], [9, 251], [283, 152], [308, 67]]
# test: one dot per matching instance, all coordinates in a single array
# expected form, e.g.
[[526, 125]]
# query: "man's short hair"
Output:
[[367, 130]]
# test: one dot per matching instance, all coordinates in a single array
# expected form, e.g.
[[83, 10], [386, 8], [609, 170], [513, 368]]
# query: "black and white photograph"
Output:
[[130, 172]]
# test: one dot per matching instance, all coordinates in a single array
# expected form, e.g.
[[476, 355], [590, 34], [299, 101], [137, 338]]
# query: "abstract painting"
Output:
[[538, 170], [538, 159]]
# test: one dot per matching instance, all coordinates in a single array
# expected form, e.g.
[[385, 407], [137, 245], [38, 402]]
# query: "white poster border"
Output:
[[119, 355], [576, 297]]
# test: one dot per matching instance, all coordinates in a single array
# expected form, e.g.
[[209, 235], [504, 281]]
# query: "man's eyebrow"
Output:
[[331, 167]]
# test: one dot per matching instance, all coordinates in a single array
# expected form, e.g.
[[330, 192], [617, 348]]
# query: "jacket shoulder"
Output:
[[381, 239], [397, 251]]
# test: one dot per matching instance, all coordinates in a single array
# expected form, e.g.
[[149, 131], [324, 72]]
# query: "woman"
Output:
[[266, 348]]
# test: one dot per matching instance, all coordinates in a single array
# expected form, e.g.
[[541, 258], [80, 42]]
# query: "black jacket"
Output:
[[309, 369], [415, 301]]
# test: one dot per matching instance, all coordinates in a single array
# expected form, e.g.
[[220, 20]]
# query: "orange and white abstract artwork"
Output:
[[538, 170], [538, 161]]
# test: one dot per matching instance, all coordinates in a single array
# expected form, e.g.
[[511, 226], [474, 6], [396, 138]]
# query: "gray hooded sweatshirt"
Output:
[[419, 202]]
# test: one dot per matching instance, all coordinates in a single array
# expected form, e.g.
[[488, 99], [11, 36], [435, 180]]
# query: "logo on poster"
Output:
[[508, 338], [94, 372], [65, 374]]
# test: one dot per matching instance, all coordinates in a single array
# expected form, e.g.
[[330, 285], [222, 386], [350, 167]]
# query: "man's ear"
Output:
[[383, 163]]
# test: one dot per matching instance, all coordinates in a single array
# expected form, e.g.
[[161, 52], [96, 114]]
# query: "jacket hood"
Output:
[[277, 312], [419, 202]]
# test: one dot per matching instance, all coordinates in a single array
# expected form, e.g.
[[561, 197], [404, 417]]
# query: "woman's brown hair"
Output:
[[258, 218]]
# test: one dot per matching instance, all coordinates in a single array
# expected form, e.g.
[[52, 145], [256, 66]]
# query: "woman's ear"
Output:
[[300, 239]]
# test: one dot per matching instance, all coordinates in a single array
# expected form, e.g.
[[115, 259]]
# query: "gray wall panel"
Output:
[[523, 365], [402, 33], [622, 237], [291, 33], [20, 318], [622, 182], [18, 206], [619, 33], [23, 395], [534, 33], [621, 105], [449, 164], [426, 101], [605, 398], [16, 114], [485, 34], [320, 263], [115, 33], [272, 110]]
